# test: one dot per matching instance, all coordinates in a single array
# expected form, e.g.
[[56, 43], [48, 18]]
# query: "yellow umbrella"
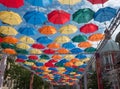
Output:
[[42, 60], [7, 30], [62, 39], [69, 2], [10, 18], [27, 40], [78, 63], [29, 63], [23, 46], [68, 29], [69, 57], [35, 51], [86, 60]]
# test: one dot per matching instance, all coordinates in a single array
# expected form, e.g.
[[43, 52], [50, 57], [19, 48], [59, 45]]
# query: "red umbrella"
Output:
[[49, 64], [49, 51], [97, 1], [19, 60], [1, 39], [33, 57], [38, 46], [58, 17], [12, 3], [89, 28]]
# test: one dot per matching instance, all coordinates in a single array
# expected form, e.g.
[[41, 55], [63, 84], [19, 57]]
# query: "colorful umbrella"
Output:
[[58, 17], [53, 45], [10, 40], [79, 38], [33, 57], [84, 44], [76, 50], [105, 14], [96, 37], [19, 60], [22, 51], [7, 45], [41, 3], [69, 57], [69, 2], [35, 51], [10, 17], [7, 30], [68, 45], [22, 46], [22, 57], [1, 39], [90, 49], [89, 28], [47, 30], [49, 51], [81, 56], [38, 46], [8, 51], [68, 29], [56, 56], [27, 31], [27, 40], [83, 15], [12, 4], [97, 1], [44, 56], [35, 17], [62, 39], [62, 51], [44, 40]]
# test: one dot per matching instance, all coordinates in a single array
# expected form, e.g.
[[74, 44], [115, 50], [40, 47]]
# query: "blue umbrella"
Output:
[[69, 69], [83, 66], [53, 69], [41, 3], [44, 40], [76, 50], [81, 56], [104, 14], [27, 31], [35, 17], [22, 56], [39, 64], [68, 45]]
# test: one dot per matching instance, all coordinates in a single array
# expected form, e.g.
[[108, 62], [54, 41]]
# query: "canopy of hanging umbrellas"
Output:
[[54, 38]]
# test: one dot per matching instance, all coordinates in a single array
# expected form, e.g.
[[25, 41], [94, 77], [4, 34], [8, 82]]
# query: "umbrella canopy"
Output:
[[38, 46], [68, 45], [96, 37], [89, 28], [33, 57], [83, 15], [22, 46], [10, 40], [105, 14], [69, 57], [90, 49], [27, 40], [10, 17], [7, 30], [27, 31], [58, 17], [41, 3], [7, 45], [35, 17], [44, 40], [68, 29], [49, 51], [12, 4], [84, 44], [97, 1], [47, 30], [35, 51], [53, 45], [79, 38], [76, 50], [57, 56], [69, 2], [62, 51], [9, 51], [62, 39], [81, 56], [22, 51], [44, 56], [1, 39]]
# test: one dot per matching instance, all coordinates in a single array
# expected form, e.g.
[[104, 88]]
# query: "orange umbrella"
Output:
[[69, 64], [53, 45], [96, 37], [62, 51], [9, 51], [57, 56], [47, 30], [44, 68], [10, 40], [74, 60], [84, 44]]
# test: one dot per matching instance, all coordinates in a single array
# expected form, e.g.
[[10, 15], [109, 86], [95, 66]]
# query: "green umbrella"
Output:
[[6, 45], [83, 15], [90, 49], [22, 51], [43, 56], [79, 38]]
